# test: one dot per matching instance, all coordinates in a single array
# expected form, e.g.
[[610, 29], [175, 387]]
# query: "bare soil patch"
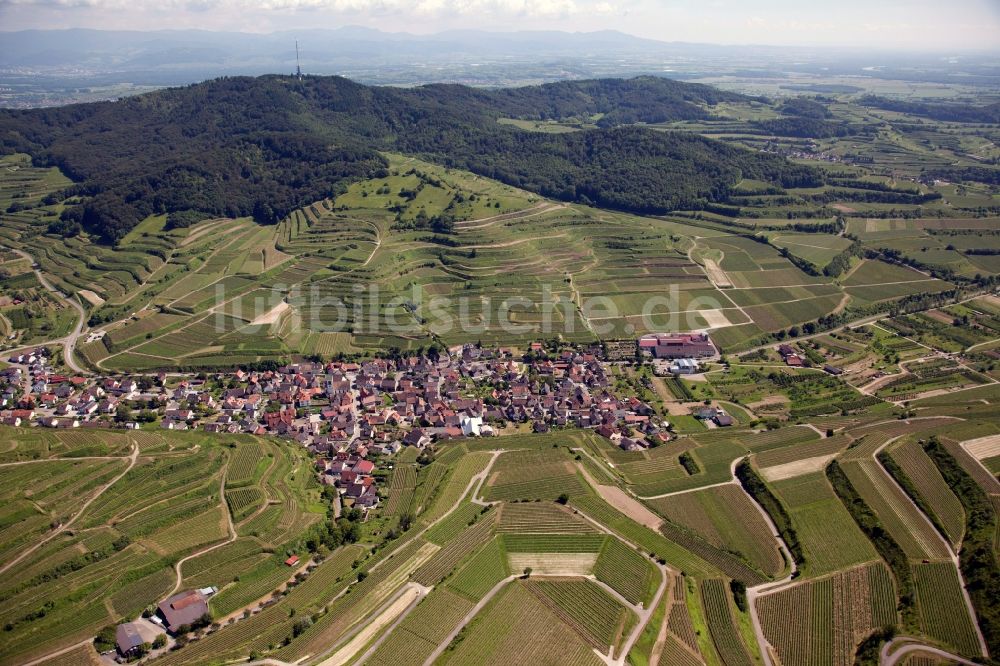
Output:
[[796, 468], [983, 447], [553, 564], [630, 506]]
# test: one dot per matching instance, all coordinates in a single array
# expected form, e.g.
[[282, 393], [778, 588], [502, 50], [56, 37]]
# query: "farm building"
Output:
[[684, 366], [128, 640], [722, 419], [677, 345], [182, 609]]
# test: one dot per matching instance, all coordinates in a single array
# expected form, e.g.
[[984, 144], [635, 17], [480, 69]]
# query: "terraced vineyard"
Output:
[[119, 557], [931, 488]]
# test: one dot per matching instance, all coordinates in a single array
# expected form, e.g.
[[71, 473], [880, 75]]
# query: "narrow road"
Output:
[[886, 659], [57, 653], [68, 342], [232, 536], [969, 608], [62, 528], [537, 209]]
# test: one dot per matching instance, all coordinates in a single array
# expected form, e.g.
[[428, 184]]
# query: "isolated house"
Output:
[[183, 609], [128, 640]]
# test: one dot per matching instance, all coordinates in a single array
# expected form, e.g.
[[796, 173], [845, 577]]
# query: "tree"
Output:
[[105, 639], [160, 641], [563, 498], [123, 414]]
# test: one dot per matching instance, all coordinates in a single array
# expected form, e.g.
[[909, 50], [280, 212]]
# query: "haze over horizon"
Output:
[[968, 25]]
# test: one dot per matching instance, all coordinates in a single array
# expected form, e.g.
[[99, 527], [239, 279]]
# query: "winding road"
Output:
[[68, 342], [232, 536], [886, 659], [62, 528]]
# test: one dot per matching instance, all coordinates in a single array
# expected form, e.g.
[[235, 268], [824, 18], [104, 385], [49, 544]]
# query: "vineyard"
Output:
[[478, 576], [816, 448], [413, 641], [626, 571], [726, 518], [457, 549], [541, 518], [518, 628], [532, 475], [366, 596], [553, 543], [244, 501], [822, 621], [589, 610], [464, 515], [650, 541], [401, 487], [721, 560], [243, 466], [273, 624], [721, 623], [943, 613], [907, 526], [931, 488], [830, 538], [220, 566]]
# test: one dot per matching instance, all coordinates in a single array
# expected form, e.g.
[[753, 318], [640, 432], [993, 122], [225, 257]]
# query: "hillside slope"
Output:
[[266, 146]]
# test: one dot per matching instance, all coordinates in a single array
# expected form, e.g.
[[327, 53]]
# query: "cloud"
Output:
[[528, 8]]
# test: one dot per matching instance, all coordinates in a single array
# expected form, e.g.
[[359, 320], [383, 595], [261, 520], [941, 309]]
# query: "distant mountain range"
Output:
[[323, 51], [179, 55], [55, 67]]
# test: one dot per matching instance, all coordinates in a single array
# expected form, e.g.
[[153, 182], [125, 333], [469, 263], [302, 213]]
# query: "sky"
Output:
[[921, 25]]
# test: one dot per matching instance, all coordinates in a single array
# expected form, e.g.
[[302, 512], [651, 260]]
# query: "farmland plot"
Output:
[[930, 485], [821, 622], [626, 571], [830, 538], [541, 518], [943, 614], [725, 517], [907, 526], [484, 570], [721, 623], [518, 628], [530, 475], [590, 611], [419, 634]]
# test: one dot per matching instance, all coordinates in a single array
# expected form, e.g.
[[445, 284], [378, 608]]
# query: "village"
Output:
[[349, 414], [362, 408]]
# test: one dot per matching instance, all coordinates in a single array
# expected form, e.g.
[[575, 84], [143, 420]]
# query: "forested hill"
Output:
[[265, 146]]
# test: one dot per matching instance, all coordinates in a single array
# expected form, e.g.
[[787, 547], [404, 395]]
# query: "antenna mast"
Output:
[[298, 68]]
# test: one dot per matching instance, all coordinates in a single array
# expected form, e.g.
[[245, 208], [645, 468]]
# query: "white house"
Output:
[[472, 426]]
